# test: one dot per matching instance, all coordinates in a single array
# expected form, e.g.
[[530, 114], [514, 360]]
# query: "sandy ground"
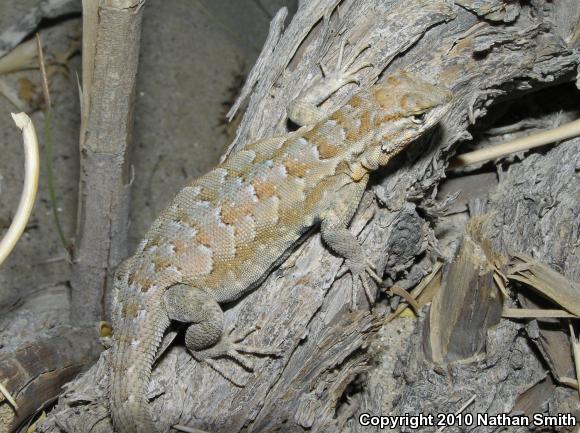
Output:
[[194, 57]]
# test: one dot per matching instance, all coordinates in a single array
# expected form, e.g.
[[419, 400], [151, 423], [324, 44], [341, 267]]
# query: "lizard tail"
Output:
[[132, 359]]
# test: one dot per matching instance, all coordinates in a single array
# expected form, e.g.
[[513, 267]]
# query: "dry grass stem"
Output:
[[499, 282], [568, 381], [9, 398], [43, 75], [30, 188], [535, 313], [563, 132], [546, 281]]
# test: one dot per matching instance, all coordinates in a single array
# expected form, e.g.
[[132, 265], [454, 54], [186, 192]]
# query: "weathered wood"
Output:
[[35, 373], [302, 307], [111, 44], [535, 209], [466, 306], [110, 54]]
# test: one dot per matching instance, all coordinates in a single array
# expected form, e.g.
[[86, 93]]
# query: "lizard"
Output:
[[222, 234]]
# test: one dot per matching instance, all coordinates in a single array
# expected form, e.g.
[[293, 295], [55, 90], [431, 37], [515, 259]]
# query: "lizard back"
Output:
[[222, 233], [228, 227]]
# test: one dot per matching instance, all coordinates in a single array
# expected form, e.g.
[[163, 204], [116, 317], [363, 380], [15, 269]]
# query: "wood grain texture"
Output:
[[535, 208], [109, 69], [302, 304]]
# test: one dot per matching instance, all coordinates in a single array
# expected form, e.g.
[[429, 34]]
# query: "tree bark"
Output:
[[483, 51], [35, 372], [111, 41], [534, 210]]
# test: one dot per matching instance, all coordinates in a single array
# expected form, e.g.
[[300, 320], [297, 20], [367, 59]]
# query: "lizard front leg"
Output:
[[304, 109], [205, 337], [340, 240]]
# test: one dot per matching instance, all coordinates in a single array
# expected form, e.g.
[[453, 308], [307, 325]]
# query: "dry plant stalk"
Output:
[[534, 313], [546, 281], [563, 132], [30, 188], [111, 42], [4, 392], [467, 304]]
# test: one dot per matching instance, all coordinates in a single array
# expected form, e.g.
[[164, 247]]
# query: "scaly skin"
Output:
[[223, 233]]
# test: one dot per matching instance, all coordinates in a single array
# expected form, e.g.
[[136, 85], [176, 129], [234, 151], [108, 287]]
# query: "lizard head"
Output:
[[401, 109]]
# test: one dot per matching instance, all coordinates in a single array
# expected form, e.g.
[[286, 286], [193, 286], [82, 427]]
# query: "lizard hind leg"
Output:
[[205, 338]]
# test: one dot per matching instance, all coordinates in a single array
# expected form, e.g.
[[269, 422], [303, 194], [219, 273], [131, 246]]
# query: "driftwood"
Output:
[[483, 51]]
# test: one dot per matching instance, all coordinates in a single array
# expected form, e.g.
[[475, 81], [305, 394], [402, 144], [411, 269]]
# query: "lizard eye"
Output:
[[418, 119]]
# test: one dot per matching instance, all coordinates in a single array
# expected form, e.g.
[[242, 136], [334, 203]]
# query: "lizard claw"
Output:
[[371, 271], [230, 346], [304, 110], [358, 272], [354, 292], [343, 73], [228, 376]]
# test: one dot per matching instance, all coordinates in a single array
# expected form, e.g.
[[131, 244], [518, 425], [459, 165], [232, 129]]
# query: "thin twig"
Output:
[[535, 313], [500, 284], [399, 291], [30, 185], [48, 147], [461, 409], [568, 381], [43, 75], [563, 132], [9, 398], [416, 292]]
